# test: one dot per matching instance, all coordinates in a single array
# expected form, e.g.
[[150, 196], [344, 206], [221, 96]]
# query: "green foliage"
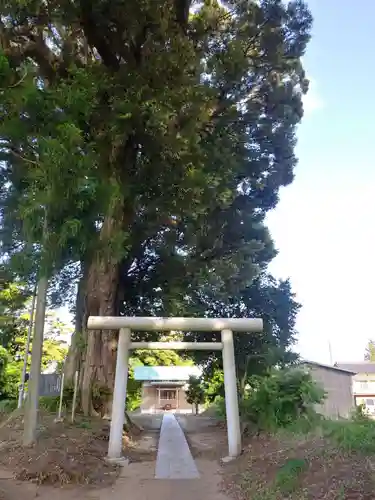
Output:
[[4, 360], [370, 351], [359, 413], [275, 303], [7, 405], [148, 357], [133, 391], [283, 399], [195, 393], [12, 298], [213, 383], [49, 404], [356, 435], [287, 477], [219, 407], [157, 155], [13, 331]]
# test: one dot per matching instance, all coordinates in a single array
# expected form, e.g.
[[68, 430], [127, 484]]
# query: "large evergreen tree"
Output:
[[151, 141]]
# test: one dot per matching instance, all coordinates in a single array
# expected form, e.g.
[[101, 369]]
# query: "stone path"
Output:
[[174, 459]]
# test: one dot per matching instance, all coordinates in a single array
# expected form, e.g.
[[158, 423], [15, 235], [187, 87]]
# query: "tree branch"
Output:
[[95, 36]]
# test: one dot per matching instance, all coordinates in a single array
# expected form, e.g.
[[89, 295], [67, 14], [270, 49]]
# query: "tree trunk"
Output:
[[99, 365], [96, 351], [76, 350], [93, 353]]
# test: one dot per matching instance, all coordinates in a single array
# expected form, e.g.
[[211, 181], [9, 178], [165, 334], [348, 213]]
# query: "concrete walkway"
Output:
[[174, 460]]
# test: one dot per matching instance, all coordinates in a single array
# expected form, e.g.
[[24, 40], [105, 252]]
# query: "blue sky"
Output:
[[324, 226]]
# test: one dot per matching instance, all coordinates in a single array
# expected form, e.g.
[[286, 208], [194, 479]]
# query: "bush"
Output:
[[219, 408], [281, 399], [49, 403], [4, 362], [357, 434], [12, 379], [288, 476], [8, 405], [133, 392]]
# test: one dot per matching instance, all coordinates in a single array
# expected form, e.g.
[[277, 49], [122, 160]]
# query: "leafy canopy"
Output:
[[151, 140]]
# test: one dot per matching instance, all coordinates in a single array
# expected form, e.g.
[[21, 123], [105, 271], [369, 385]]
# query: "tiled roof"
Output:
[[358, 367]]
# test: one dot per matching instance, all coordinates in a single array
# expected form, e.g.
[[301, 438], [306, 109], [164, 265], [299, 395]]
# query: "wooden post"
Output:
[[75, 395], [61, 398]]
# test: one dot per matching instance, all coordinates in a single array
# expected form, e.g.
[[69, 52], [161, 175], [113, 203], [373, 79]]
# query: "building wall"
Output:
[[150, 399], [364, 383], [339, 401]]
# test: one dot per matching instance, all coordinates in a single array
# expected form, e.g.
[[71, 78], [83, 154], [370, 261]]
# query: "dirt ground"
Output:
[[77, 452], [69, 464], [298, 469]]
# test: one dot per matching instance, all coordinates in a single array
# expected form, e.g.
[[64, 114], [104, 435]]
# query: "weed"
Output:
[[341, 493], [352, 435], [287, 477], [84, 425], [8, 405], [49, 403]]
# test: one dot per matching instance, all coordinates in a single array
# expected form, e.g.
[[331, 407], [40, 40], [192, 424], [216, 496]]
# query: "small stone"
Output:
[[225, 460]]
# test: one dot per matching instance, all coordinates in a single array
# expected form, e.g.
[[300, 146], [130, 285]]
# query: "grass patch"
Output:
[[334, 460], [7, 405], [351, 435], [84, 425], [288, 476], [286, 482]]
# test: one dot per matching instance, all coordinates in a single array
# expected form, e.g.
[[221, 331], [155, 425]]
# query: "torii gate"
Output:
[[126, 324]]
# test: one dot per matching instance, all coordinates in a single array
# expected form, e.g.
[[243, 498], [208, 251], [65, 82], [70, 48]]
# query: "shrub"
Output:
[[8, 405], [12, 379], [360, 413], [219, 406], [357, 434], [281, 399], [133, 392], [49, 403], [288, 476], [4, 362]]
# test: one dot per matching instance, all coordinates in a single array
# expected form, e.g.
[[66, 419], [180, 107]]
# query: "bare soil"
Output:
[[65, 454], [67, 463], [329, 474], [206, 436]]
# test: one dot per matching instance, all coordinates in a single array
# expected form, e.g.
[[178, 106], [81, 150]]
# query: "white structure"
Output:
[[125, 324]]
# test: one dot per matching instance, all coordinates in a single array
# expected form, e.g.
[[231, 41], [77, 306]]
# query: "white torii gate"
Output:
[[126, 324]]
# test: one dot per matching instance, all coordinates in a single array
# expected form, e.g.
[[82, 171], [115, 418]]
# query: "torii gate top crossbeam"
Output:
[[179, 324]]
